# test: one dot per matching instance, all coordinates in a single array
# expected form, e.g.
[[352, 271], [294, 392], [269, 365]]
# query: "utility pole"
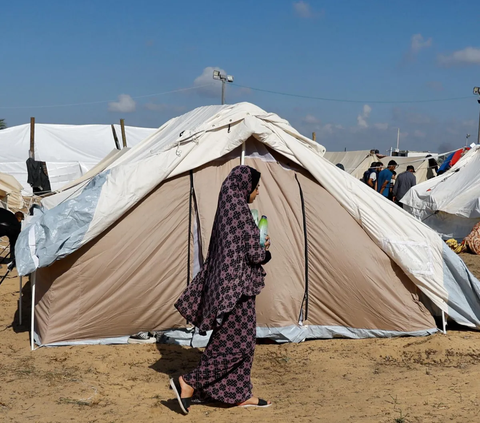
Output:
[[476, 90], [224, 78]]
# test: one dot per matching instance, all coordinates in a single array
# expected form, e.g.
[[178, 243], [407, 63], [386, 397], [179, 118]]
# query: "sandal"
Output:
[[183, 402], [261, 404]]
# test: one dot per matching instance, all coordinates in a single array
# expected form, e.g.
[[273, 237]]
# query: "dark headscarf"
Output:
[[255, 178], [232, 267]]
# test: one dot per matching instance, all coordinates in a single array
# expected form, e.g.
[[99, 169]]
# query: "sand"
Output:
[[430, 379]]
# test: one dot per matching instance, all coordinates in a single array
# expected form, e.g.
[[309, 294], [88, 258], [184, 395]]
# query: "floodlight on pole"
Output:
[[224, 78], [476, 91]]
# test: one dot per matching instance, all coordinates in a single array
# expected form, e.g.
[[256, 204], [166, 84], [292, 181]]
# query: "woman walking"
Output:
[[222, 298]]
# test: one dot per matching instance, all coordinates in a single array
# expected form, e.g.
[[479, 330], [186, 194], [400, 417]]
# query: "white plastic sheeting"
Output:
[[449, 203], [68, 150]]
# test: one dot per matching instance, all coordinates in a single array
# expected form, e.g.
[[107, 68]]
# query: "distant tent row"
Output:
[[111, 260], [358, 162], [449, 203], [69, 151]]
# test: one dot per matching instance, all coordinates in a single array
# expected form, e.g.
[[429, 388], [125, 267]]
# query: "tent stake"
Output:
[[444, 323], [242, 157], [32, 281]]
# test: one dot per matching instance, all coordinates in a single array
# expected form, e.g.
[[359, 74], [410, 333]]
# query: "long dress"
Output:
[[222, 296]]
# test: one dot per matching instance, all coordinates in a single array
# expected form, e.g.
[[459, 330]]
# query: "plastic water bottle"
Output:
[[263, 226]]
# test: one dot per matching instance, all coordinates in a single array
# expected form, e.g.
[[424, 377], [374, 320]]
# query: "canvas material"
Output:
[[412, 245]]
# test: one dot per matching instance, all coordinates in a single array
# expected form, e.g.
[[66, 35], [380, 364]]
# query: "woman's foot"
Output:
[[255, 402], [187, 390], [183, 392]]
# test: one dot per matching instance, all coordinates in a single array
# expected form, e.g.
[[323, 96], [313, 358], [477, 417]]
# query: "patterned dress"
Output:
[[222, 295]]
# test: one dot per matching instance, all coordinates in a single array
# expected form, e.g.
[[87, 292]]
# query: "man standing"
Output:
[[384, 178], [404, 182]]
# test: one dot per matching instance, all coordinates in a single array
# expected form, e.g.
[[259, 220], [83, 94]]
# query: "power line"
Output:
[[104, 101], [351, 101]]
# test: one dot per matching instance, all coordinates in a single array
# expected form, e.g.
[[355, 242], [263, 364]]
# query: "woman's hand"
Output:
[[267, 242]]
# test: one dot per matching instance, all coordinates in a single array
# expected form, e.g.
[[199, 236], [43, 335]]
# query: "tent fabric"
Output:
[[449, 203], [355, 162], [207, 134], [68, 150], [74, 187], [358, 162], [11, 191], [111, 281]]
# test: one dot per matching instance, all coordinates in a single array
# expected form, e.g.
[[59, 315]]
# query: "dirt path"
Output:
[[431, 379]]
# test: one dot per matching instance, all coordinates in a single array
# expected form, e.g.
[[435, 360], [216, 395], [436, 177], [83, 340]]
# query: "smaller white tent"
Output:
[[68, 150], [354, 162], [449, 203]]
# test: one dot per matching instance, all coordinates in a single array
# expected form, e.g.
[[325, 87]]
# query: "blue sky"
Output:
[[147, 61]]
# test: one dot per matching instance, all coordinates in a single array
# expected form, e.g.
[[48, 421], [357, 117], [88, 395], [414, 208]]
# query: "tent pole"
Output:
[[444, 323], [31, 152], [124, 137], [20, 303], [242, 157], [32, 281]]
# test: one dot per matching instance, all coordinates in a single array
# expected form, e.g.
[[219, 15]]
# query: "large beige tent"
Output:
[[112, 261]]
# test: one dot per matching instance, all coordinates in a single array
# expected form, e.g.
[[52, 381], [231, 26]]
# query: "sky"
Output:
[[352, 71]]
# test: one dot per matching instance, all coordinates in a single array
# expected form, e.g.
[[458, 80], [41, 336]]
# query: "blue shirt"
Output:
[[384, 175]]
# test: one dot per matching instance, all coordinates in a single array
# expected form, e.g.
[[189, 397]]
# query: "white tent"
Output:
[[354, 162], [197, 140], [69, 150], [449, 203]]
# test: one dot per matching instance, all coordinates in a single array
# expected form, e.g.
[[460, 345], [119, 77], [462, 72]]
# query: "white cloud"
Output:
[[419, 134], [417, 43], [125, 104], [362, 118], [303, 9], [208, 87], [467, 56], [311, 120], [381, 126]]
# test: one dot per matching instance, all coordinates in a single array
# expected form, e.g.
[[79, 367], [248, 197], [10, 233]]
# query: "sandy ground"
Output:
[[431, 379]]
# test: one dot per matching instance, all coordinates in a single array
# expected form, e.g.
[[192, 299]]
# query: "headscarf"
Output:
[[255, 178], [233, 265]]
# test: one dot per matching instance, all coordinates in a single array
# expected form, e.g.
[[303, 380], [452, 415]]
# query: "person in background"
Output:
[[370, 175], [404, 182], [384, 178], [432, 170], [392, 184], [340, 166], [10, 226]]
